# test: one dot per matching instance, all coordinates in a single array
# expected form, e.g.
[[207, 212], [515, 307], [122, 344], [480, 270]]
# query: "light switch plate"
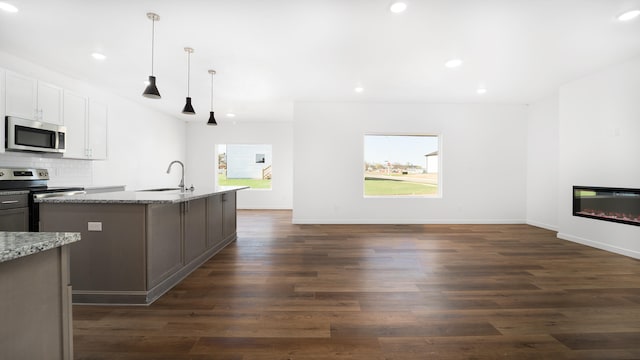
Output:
[[94, 226]]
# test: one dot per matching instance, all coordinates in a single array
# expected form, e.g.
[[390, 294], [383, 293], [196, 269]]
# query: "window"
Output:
[[244, 165], [401, 165]]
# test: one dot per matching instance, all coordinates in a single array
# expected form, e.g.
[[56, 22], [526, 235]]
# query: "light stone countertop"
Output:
[[14, 192], [15, 245], [91, 188], [141, 197], [102, 187]]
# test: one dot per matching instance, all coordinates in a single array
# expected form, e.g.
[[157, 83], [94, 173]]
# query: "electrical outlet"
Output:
[[94, 226]]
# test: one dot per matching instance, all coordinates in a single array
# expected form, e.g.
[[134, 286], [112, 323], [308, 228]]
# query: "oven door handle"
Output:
[[10, 201]]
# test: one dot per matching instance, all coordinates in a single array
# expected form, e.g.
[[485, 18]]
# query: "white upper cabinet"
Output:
[[2, 109], [21, 94], [85, 119], [97, 132], [29, 98], [50, 103], [75, 120], [86, 123]]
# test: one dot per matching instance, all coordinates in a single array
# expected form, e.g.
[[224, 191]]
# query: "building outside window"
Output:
[[245, 165]]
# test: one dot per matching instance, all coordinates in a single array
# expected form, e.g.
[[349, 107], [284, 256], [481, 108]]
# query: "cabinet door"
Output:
[[214, 220], [75, 118], [49, 103], [14, 219], [195, 239], [228, 214], [97, 130], [20, 96], [164, 245]]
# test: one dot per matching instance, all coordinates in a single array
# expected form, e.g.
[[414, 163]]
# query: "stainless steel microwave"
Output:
[[31, 135]]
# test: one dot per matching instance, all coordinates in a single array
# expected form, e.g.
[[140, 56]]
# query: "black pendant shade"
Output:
[[151, 91], [212, 120], [188, 109]]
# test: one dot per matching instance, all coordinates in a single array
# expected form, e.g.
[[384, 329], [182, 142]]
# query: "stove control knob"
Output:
[[1, 173]]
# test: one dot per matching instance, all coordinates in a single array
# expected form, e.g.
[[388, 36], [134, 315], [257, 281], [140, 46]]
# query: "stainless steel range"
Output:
[[35, 182]]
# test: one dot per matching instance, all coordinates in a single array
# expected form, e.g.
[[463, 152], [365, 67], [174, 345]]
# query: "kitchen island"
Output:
[[35, 295], [139, 244]]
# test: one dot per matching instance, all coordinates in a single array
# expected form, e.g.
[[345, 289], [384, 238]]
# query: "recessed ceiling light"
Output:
[[398, 7], [481, 91], [453, 63], [358, 89], [98, 56], [231, 115], [629, 15], [8, 7]]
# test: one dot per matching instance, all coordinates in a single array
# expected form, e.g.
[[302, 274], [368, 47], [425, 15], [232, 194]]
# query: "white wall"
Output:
[[63, 172], [141, 141], [542, 163], [201, 155], [483, 159], [599, 131]]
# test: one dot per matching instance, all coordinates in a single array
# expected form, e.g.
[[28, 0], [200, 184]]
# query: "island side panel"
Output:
[[215, 236], [164, 241], [31, 308], [110, 260], [195, 239], [229, 216]]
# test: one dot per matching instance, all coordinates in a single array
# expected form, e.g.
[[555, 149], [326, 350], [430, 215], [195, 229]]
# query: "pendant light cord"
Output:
[[188, 71], [153, 31], [212, 92]]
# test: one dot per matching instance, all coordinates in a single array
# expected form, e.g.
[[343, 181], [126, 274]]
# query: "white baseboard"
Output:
[[599, 245], [264, 208], [542, 225], [407, 221]]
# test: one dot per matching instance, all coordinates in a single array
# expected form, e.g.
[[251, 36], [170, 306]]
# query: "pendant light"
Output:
[[152, 91], [188, 109], [212, 120]]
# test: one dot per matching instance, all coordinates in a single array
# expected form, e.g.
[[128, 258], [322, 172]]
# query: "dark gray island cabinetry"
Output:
[[138, 245]]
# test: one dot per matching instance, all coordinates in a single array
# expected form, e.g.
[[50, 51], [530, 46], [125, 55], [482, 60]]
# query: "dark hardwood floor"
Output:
[[287, 291]]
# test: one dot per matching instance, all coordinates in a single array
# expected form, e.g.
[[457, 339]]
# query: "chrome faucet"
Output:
[[181, 185]]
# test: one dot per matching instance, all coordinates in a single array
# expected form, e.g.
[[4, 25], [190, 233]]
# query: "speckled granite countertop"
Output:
[[141, 197], [14, 245], [14, 192]]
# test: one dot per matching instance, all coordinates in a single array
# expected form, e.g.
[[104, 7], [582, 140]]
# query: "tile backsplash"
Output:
[[62, 172]]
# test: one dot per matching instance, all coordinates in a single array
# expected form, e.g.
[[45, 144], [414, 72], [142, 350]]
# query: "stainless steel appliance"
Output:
[[30, 135], [35, 182]]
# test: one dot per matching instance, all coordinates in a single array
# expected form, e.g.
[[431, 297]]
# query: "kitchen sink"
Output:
[[161, 189]]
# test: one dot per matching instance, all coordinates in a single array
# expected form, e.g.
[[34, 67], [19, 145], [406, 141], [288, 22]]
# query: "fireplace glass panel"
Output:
[[609, 204]]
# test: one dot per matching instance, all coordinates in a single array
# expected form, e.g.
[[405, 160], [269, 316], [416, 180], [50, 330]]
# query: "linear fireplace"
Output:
[[619, 205]]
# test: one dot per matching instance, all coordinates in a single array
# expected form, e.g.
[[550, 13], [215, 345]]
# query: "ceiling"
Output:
[[269, 54]]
